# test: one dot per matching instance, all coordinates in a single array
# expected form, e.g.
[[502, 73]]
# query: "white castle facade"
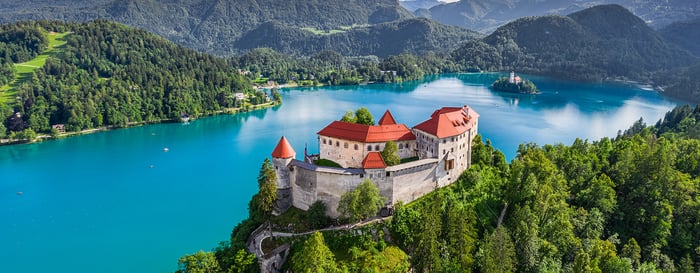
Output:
[[438, 149]]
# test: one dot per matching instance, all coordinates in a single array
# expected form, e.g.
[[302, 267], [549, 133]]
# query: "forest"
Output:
[[110, 75], [623, 204]]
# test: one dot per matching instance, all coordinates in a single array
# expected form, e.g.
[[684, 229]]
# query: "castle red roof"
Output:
[[449, 121], [283, 149], [373, 160], [367, 133], [387, 119]]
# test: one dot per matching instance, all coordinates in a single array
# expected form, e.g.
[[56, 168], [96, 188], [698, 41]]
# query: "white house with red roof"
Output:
[[440, 148]]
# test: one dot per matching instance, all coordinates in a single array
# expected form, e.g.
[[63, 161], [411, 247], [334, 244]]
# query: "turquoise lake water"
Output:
[[117, 202]]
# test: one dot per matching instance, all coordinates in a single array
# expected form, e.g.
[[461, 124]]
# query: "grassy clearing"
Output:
[[340, 29], [24, 71]]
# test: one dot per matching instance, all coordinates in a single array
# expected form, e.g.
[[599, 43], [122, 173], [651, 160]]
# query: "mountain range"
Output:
[[486, 15], [220, 26], [600, 43]]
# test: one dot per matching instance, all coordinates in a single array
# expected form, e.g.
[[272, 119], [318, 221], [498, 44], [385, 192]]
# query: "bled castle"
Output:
[[440, 148]]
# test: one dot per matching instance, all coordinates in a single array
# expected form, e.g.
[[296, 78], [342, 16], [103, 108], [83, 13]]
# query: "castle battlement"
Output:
[[441, 144]]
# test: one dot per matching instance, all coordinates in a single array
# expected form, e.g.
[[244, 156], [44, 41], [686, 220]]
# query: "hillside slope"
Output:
[[417, 35], [685, 34], [487, 15], [215, 25], [108, 74], [603, 42]]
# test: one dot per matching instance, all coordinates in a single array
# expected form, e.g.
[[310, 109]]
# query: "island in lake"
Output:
[[515, 84]]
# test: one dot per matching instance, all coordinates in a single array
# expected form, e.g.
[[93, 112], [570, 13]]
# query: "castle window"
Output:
[[324, 141], [452, 150], [337, 144], [388, 174], [356, 147], [376, 147], [345, 145], [400, 145], [449, 164]]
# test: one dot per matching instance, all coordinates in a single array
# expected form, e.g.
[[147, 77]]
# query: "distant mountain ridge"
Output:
[[213, 26], [599, 43], [413, 5], [487, 15]]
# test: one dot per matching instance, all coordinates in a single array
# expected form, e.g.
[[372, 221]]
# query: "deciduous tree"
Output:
[[362, 202], [314, 257], [390, 154], [200, 262], [363, 116]]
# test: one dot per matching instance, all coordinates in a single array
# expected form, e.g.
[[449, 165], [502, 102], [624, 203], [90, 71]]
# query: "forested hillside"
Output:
[[599, 43], [487, 15], [685, 34], [108, 74], [227, 27], [417, 36], [628, 204]]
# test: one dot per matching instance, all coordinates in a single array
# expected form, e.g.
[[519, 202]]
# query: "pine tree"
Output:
[[498, 252], [267, 187]]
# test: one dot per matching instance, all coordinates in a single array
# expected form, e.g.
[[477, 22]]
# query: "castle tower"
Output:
[[282, 155], [512, 77]]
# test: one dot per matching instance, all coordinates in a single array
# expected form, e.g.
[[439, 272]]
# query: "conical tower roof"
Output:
[[283, 149], [387, 119]]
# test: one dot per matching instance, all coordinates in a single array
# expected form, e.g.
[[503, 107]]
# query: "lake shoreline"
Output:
[[45, 137]]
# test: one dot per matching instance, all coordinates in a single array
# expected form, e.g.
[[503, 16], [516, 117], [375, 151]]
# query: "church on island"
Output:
[[434, 154]]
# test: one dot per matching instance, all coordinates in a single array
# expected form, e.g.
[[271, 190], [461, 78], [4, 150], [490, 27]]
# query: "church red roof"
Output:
[[373, 160], [367, 133], [283, 149], [387, 119], [449, 121]]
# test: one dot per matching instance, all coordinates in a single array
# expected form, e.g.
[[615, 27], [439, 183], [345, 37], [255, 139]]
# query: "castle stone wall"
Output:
[[303, 187], [412, 180]]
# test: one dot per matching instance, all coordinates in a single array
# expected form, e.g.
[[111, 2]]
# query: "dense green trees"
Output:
[[361, 203], [524, 86], [200, 262], [628, 204], [112, 75], [314, 257], [361, 116]]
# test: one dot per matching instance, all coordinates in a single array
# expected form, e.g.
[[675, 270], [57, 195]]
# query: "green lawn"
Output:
[[24, 71]]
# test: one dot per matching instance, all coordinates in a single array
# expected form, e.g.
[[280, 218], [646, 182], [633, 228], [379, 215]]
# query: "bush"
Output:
[[327, 163]]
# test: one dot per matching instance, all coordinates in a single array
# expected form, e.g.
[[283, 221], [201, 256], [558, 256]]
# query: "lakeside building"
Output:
[[437, 151]]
